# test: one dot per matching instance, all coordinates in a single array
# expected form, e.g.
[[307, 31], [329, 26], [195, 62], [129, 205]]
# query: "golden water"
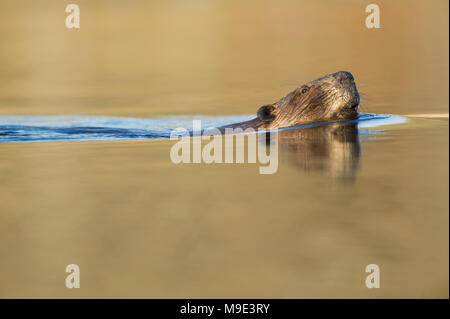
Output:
[[140, 226]]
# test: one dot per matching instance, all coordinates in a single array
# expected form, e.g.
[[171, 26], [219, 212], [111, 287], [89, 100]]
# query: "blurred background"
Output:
[[146, 58], [140, 226]]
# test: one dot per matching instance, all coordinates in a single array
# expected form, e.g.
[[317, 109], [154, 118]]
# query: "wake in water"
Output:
[[83, 128]]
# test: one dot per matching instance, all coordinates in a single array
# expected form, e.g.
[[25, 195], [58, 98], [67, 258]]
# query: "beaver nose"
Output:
[[344, 77], [355, 102]]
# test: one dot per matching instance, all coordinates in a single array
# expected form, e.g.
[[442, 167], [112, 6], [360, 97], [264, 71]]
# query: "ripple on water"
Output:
[[83, 128]]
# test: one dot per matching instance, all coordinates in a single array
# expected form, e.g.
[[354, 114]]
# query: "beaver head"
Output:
[[333, 97]]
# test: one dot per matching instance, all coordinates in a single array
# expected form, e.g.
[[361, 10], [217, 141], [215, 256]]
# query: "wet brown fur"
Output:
[[333, 97]]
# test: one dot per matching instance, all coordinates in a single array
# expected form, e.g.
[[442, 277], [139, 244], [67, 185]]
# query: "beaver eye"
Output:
[[304, 90]]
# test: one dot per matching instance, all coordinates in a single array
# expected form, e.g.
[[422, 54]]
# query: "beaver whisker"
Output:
[[363, 97]]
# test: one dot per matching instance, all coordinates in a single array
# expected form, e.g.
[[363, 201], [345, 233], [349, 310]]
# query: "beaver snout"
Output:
[[355, 101], [344, 78], [347, 83]]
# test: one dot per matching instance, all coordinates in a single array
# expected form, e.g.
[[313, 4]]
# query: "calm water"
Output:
[[344, 196], [84, 128]]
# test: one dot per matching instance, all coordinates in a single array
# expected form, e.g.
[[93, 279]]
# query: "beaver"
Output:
[[333, 97]]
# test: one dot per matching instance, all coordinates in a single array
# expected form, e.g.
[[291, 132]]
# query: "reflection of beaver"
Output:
[[333, 97], [333, 149]]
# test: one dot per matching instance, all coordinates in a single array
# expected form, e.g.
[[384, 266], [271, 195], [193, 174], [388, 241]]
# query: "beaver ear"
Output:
[[266, 113]]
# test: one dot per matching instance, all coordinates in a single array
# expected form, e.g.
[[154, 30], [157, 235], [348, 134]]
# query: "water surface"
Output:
[[84, 128], [101, 192]]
